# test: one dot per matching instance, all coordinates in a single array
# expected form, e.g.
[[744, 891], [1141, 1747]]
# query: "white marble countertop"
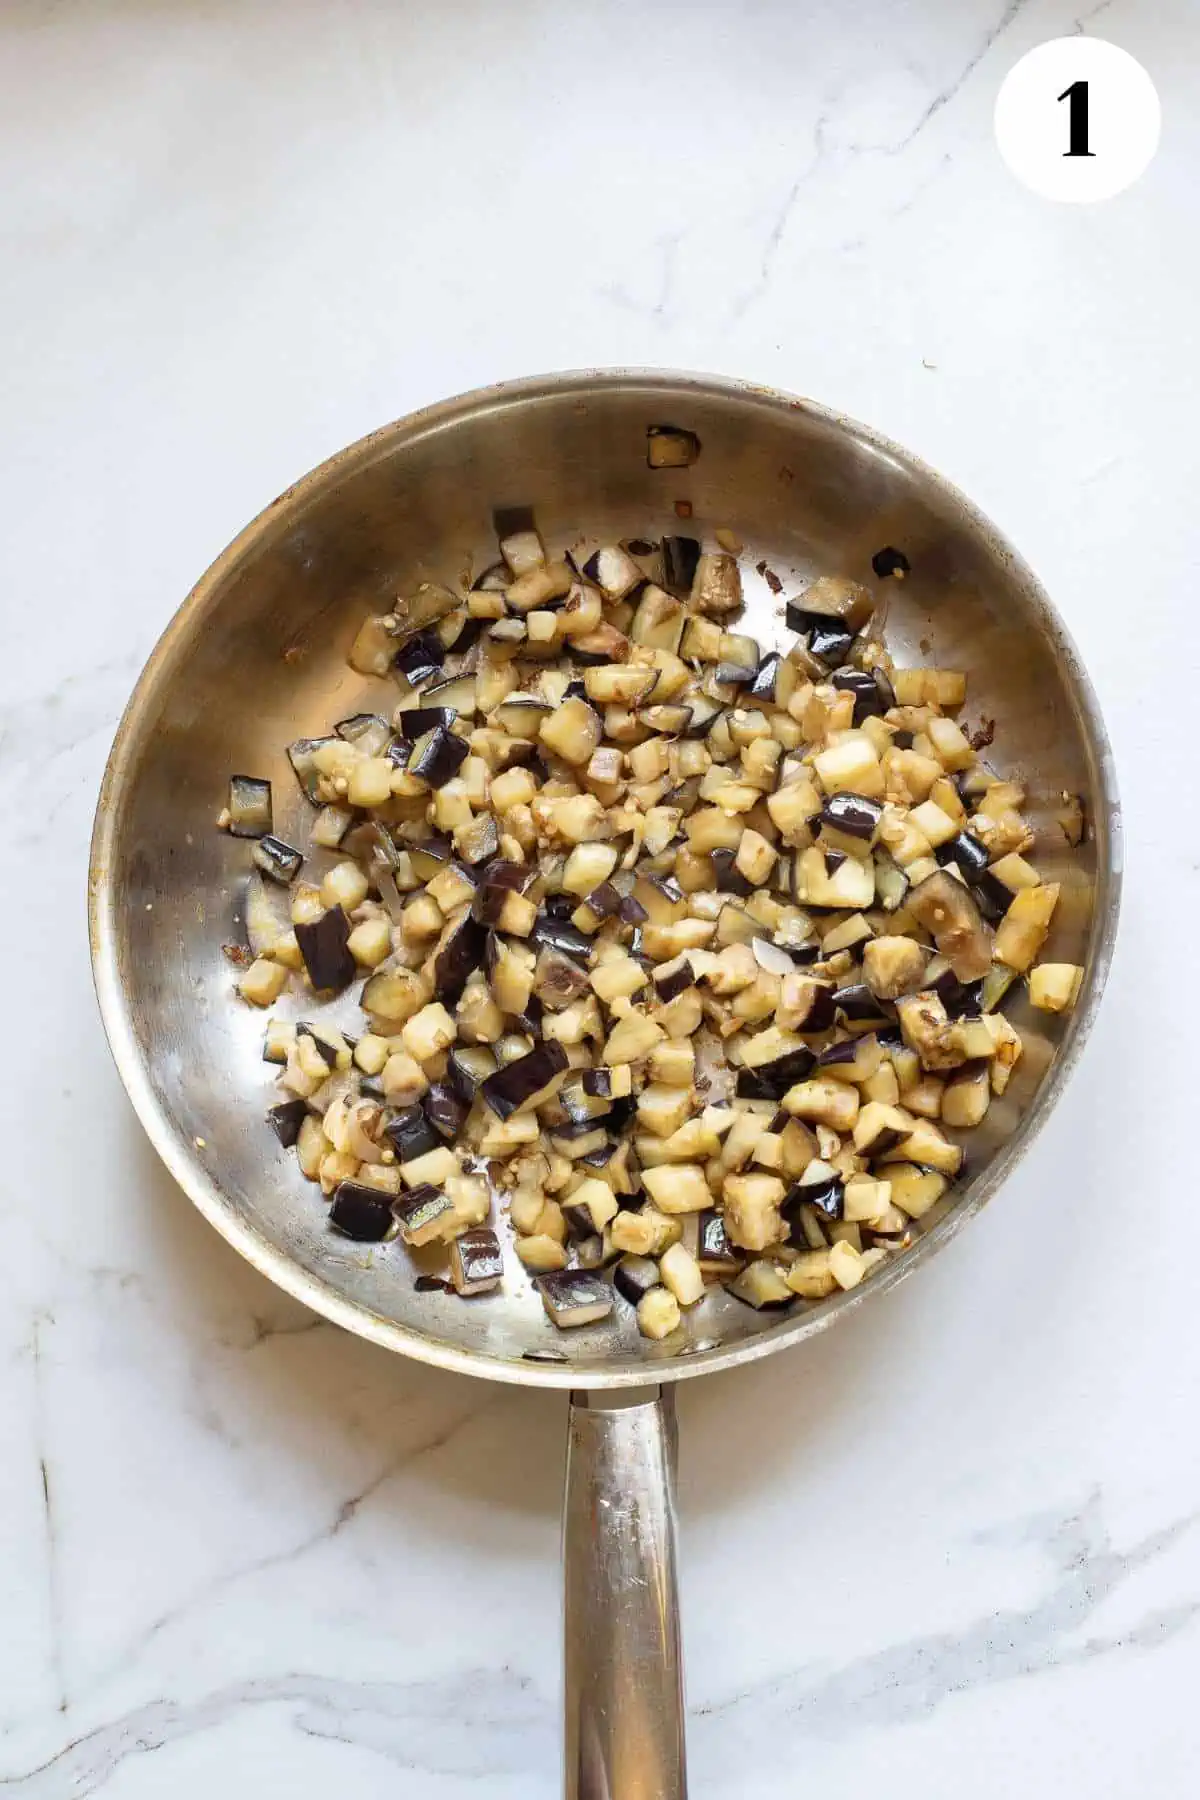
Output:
[[245, 1553]]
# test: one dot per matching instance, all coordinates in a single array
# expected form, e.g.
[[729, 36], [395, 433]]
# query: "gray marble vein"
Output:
[[422, 1726]]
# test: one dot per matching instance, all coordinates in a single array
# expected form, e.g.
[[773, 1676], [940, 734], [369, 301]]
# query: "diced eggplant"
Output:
[[323, 945], [437, 756], [302, 756], [420, 658], [518, 1081], [713, 1251], [286, 1119], [277, 861], [468, 1067], [634, 1276], [479, 841], [445, 1109], [669, 447], [951, 916], [729, 877], [772, 957], [559, 934], [890, 561], [455, 694], [761, 1286], [891, 884], [869, 698], [966, 853], [962, 1000], [422, 1213], [574, 1297], [327, 1051], [614, 570], [733, 674], [673, 978], [680, 556], [476, 1262], [771, 1080], [411, 1134], [859, 1006], [249, 806], [991, 895], [829, 643], [716, 586], [827, 1193], [766, 677], [361, 1212], [459, 951], [838, 598], [414, 723], [557, 979], [366, 731], [853, 814], [493, 580], [704, 714]]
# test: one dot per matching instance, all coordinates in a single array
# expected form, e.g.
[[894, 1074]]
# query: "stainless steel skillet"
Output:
[[256, 657]]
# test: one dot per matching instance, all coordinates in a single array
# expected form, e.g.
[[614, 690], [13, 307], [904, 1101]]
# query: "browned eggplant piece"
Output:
[[890, 561], [631, 911], [421, 1213], [557, 979], [445, 1109], [704, 714], [479, 841], [278, 861], [859, 1006], [302, 755], [581, 1105], [670, 447], [458, 952], [951, 916], [772, 957], [438, 756], [991, 895], [430, 857], [828, 1195], [574, 1297], [853, 1059], [836, 598], [966, 853], [559, 934], [518, 1081], [476, 1262], [680, 556], [411, 1134], [368, 732], [420, 657], [766, 676], [771, 1081], [249, 806], [598, 1083], [714, 1252], [729, 877], [634, 1276], [962, 1000], [361, 1212], [420, 719], [286, 1119], [673, 978], [605, 900], [869, 700], [323, 945], [468, 1067]]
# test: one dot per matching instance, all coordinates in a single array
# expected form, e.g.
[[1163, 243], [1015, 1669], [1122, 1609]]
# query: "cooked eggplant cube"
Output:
[[680, 556], [423, 1214], [445, 1109], [635, 1276], [518, 1081], [411, 1134], [324, 947], [852, 814], [361, 1212], [668, 447], [420, 658], [286, 1119], [476, 1262], [574, 1297], [947, 911], [249, 806], [278, 861], [717, 586], [614, 570], [438, 756]]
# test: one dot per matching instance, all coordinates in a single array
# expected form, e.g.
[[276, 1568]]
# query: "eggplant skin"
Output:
[[250, 814], [323, 945], [411, 1134], [828, 1196], [286, 1119], [461, 951], [517, 1082], [445, 1110], [890, 561], [361, 1212], [680, 556]]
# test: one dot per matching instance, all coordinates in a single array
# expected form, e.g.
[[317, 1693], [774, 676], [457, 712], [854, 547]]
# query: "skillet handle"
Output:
[[624, 1667]]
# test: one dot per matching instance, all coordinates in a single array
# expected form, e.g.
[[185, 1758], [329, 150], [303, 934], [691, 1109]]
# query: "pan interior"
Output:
[[256, 658]]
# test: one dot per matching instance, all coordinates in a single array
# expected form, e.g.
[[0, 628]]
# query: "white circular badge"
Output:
[[1077, 119]]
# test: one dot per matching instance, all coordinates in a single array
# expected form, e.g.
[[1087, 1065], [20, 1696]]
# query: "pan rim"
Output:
[[321, 1295]]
